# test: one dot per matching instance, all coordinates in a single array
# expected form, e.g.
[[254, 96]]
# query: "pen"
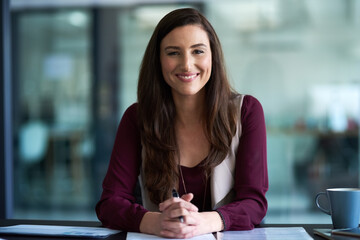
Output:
[[175, 194]]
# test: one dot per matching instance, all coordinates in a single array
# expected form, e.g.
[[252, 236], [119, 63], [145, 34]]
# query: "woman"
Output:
[[190, 132]]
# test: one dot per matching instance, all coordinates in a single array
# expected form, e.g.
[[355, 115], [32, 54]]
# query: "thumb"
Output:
[[187, 197]]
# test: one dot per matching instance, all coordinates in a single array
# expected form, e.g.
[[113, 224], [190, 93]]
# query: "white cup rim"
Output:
[[343, 189]]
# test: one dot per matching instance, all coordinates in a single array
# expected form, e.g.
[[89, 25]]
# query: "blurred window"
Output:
[[52, 112], [76, 68]]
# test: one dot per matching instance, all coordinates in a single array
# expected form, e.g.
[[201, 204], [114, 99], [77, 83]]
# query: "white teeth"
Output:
[[189, 77]]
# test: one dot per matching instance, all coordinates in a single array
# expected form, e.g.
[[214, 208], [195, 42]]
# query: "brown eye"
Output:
[[172, 53], [198, 51]]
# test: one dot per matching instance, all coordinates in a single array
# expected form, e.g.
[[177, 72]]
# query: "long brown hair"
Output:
[[156, 109]]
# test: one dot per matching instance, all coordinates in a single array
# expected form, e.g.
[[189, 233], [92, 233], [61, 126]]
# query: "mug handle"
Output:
[[327, 211]]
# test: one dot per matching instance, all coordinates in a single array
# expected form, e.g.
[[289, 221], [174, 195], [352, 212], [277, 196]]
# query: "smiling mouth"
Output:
[[187, 77]]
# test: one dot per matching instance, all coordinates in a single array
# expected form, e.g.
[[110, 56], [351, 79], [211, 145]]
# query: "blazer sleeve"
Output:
[[117, 208], [251, 177]]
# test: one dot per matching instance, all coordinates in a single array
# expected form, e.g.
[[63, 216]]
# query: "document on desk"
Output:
[[142, 236], [270, 233], [58, 231]]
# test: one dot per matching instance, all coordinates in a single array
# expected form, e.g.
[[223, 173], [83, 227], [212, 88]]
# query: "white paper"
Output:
[[142, 236], [270, 233], [50, 230]]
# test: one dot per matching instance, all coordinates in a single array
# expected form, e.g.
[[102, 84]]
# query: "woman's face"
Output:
[[185, 57]]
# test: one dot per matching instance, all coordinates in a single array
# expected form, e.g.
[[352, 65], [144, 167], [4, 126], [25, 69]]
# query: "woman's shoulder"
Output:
[[248, 105], [132, 109], [130, 113], [251, 107], [250, 100], [246, 101]]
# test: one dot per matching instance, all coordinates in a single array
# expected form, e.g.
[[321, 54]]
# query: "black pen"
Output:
[[176, 195]]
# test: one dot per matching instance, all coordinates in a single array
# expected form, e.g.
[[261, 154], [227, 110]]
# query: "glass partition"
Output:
[[52, 112]]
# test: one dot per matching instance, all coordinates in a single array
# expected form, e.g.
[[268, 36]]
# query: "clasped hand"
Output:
[[171, 211]]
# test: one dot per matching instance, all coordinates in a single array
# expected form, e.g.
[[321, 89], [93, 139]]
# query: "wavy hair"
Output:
[[156, 109]]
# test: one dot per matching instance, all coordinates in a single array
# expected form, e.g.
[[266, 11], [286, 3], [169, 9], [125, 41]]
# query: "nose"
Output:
[[186, 63]]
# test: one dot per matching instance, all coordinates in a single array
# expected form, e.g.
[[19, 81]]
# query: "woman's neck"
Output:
[[190, 110]]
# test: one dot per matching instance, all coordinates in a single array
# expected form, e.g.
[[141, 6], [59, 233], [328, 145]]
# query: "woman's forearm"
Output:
[[150, 223], [213, 222]]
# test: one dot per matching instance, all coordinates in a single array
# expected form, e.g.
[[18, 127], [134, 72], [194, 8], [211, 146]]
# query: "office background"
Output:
[[74, 67]]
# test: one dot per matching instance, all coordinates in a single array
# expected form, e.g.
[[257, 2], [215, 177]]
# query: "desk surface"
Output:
[[122, 236]]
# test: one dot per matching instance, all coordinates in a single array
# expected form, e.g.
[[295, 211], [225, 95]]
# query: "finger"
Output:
[[172, 203], [189, 206], [167, 203], [178, 213], [170, 234], [191, 219], [180, 232], [188, 197], [167, 234], [173, 226], [174, 212]]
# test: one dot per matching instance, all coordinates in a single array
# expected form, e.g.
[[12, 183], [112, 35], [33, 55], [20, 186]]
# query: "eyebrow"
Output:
[[192, 46]]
